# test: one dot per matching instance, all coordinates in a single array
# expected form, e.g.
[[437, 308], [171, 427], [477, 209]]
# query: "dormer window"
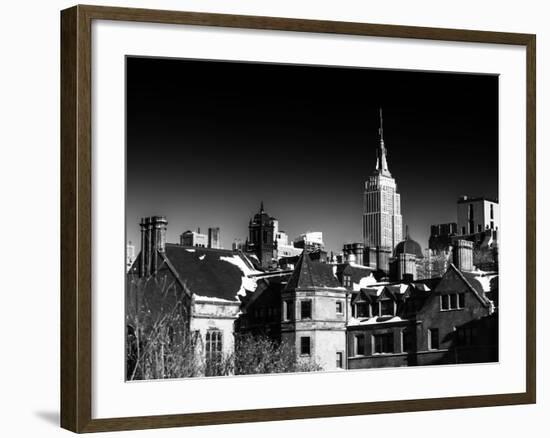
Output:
[[387, 308]]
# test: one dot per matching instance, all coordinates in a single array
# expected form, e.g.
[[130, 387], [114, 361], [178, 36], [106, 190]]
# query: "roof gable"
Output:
[[453, 273]]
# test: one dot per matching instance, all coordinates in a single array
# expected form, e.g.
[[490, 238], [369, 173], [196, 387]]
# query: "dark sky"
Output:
[[207, 141]]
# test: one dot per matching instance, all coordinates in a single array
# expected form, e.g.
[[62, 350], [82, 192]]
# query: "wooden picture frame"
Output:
[[76, 218]]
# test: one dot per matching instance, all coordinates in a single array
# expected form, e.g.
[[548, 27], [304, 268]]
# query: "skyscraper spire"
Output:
[[381, 161], [381, 129], [262, 207]]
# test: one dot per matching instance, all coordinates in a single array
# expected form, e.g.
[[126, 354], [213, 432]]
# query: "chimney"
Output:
[[153, 241], [463, 257]]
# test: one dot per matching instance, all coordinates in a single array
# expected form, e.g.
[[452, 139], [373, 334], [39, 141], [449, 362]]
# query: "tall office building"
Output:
[[382, 221]]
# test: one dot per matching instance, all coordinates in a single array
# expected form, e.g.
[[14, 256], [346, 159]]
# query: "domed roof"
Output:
[[409, 246]]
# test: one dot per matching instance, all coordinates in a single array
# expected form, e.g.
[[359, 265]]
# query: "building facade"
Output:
[[196, 289], [475, 215], [194, 238], [382, 221], [314, 310], [214, 238]]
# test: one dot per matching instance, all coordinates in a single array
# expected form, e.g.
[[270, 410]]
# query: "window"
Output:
[[444, 302], [374, 307], [492, 212], [289, 310], [463, 230], [407, 341], [383, 343], [433, 339], [386, 307], [305, 309], [213, 349], [339, 359], [347, 281], [339, 307], [305, 345], [465, 336], [452, 301], [361, 310], [492, 225], [479, 228], [359, 345]]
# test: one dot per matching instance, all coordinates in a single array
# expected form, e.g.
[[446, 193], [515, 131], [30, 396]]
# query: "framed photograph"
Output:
[[270, 218]]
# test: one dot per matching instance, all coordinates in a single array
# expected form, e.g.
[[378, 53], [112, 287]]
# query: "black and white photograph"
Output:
[[287, 218]]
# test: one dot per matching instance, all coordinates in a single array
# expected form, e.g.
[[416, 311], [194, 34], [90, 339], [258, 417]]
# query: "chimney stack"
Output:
[[463, 257], [153, 241]]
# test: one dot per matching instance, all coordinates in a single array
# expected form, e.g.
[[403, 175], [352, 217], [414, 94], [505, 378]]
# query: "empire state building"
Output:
[[382, 221]]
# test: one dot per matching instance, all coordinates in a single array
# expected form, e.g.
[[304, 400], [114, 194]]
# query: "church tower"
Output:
[[382, 221], [261, 239]]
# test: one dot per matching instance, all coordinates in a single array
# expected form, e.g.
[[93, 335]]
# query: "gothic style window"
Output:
[[383, 343], [213, 350], [305, 345]]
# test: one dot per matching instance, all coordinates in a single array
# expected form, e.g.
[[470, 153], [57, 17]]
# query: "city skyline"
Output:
[[303, 142]]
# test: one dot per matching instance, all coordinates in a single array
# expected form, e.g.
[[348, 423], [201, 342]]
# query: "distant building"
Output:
[[238, 245], [130, 255], [284, 247], [382, 221], [477, 221], [261, 240], [441, 236], [312, 241], [214, 239], [407, 256], [192, 238], [475, 215], [356, 249]]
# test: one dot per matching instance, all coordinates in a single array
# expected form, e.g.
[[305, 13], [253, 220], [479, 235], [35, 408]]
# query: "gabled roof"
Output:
[[310, 274], [211, 273], [467, 278]]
